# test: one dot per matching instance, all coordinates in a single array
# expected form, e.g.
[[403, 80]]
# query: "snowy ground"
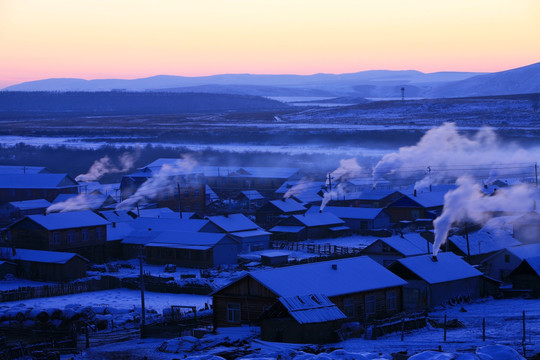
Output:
[[503, 327]]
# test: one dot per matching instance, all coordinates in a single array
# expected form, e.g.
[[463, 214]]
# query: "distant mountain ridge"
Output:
[[370, 84]]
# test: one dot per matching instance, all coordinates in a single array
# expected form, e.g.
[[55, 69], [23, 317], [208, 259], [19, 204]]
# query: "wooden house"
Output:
[[192, 249], [276, 210], [359, 220], [499, 265], [20, 187], [436, 281], [420, 205], [309, 226], [527, 276], [250, 236], [14, 210], [43, 265], [312, 319], [527, 228], [23, 169], [374, 198], [249, 200], [361, 289], [82, 232], [387, 250]]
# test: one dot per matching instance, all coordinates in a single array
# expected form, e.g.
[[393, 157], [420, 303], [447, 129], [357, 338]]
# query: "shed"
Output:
[[18, 209], [436, 281], [274, 258], [301, 319], [46, 265]]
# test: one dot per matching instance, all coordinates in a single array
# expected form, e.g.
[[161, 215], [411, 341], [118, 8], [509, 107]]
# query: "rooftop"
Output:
[[67, 220]]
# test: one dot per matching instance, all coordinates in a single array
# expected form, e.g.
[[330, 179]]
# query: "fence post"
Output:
[[402, 327], [524, 336], [444, 327], [484, 329]]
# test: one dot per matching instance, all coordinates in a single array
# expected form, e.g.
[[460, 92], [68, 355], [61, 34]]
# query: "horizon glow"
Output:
[[133, 39]]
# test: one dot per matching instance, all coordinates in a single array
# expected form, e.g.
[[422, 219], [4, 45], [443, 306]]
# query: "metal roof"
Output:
[[314, 308]]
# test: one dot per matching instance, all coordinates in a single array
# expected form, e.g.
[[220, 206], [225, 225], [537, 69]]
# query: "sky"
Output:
[[93, 39]]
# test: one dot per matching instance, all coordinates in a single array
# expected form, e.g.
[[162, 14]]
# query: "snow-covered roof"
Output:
[[42, 256], [428, 199], [36, 181], [343, 212], [288, 205], [233, 222], [287, 229], [409, 245], [67, 220], [352, 275], [117, 215], [534, 263], [252, 195], [484, 242], [308, 198], [31, 204], [448, 267], [86, 201], [318, 219], [309, 309], [273, 254], [180, 238], [118, 231], [377, 194], [160, 224], [525, 251], [15, 169], [164, 213], [250, 233]]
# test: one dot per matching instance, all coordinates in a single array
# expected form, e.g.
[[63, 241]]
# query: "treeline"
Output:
[[127, 103]]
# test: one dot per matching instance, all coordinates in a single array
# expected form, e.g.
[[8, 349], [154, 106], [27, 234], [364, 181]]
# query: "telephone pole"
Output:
[[143, 310]]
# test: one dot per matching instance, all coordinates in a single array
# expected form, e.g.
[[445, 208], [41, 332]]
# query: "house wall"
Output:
[[252, 297], [225, 252], [526, 281], [7, 268], [254, 243], [496, 267], [289, 331], [384, 255], [182, 257], [71, 270], [443, 292]]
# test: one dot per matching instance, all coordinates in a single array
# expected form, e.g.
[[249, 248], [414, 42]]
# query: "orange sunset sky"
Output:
[[133, 38]]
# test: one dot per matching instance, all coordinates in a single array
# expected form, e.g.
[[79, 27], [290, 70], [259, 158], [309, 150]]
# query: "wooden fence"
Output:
[[321, 249]]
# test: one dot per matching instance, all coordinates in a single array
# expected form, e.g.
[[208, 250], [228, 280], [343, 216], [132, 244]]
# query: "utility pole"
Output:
[[468, 248], [143, 310], [403, 94], [179, 200], [536, 173]]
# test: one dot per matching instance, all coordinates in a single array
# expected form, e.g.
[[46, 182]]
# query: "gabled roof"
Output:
[[425, 200], [249, 233], [484, 242], [118, 215], [74, 202], [118, 231], [448, 267], [15, 169], [252, 195], [287, 229], [343, 212], [369, 195], [409, 245], [163, 213], [42, 256], [288, 205], [159, 224], [532, 262], [66, 220], [352, 275], [31, 204], [525, 251], [181, 238], [36, 181], [318, 219], [309, 309], [233, 222]]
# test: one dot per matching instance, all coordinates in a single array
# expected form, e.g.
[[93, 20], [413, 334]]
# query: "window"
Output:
[[348, 307], [85, 235], [186, 193], [370, 304], [99, 233], [233, 313], [391, 300], [71, 237], [506, 258], [56, 238], [415, 214], [197, 193]]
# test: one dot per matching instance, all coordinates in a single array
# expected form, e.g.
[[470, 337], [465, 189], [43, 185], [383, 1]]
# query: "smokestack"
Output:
[[334, 266], [226, 215]]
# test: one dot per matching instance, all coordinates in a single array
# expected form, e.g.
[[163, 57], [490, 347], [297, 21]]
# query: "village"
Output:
[[299, 258]]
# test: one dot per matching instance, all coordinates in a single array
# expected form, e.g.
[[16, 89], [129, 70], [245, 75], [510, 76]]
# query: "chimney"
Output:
[[334, 266], [485, 186], [320, 211], [283, 199], [414, 192], [114, 224], [226, 215], [149, 229], [434, 258]]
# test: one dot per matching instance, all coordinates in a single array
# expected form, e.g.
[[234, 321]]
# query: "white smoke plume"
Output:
[[78, 203], [348, 169], [161, 182], [443, 154], [105, 166], [469, 203], [302, 186]]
